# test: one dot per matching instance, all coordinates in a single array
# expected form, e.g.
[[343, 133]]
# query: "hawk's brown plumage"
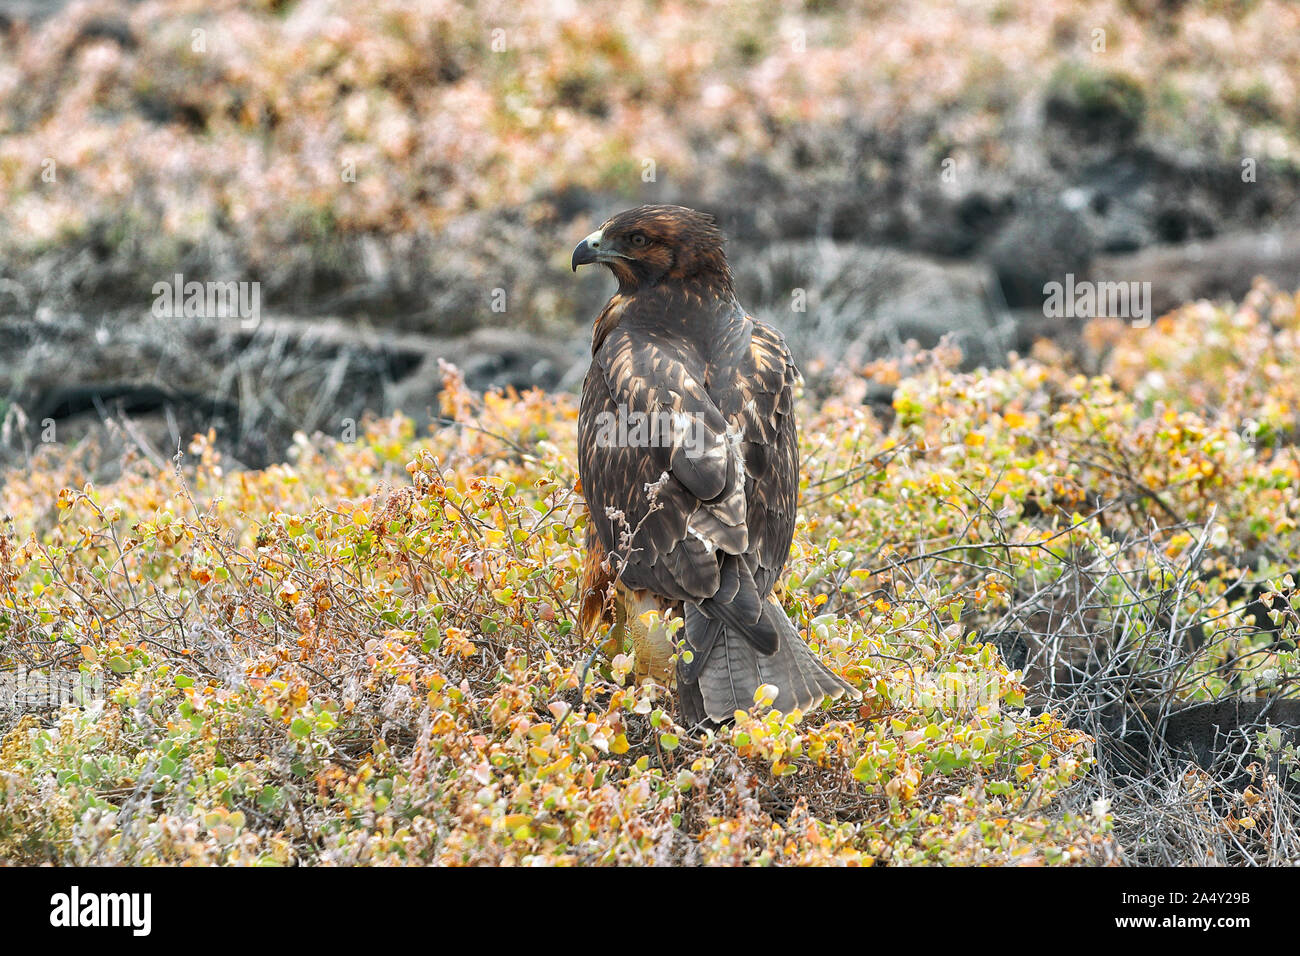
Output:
[[696, 510]]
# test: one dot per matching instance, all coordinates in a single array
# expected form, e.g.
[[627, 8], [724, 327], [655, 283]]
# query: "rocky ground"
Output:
[[75, 362]]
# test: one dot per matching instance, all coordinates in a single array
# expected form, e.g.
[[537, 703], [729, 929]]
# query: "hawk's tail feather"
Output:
[[739, 606], [723, 677], [702, 633]]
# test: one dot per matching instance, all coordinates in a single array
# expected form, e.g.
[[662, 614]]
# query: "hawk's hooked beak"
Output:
[[587, 251]]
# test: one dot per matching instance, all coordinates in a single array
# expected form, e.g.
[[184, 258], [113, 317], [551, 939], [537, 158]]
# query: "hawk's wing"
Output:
[[718, 529], [771, 451]]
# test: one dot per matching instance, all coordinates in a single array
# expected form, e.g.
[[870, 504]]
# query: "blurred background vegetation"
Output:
[[404, 180]]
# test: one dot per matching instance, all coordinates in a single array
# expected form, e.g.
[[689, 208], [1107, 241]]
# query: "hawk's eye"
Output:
[[639, 239]]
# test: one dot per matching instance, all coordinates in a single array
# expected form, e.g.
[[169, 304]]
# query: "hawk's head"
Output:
[[650, 244]]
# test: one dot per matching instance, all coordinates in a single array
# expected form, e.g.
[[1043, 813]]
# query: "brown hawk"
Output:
[[689, 461]]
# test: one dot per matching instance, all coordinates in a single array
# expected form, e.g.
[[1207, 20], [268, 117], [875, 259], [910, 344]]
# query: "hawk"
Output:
[[689, 462]]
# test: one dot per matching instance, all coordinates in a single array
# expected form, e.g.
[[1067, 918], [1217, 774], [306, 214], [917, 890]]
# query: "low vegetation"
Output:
[[367, 654]]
